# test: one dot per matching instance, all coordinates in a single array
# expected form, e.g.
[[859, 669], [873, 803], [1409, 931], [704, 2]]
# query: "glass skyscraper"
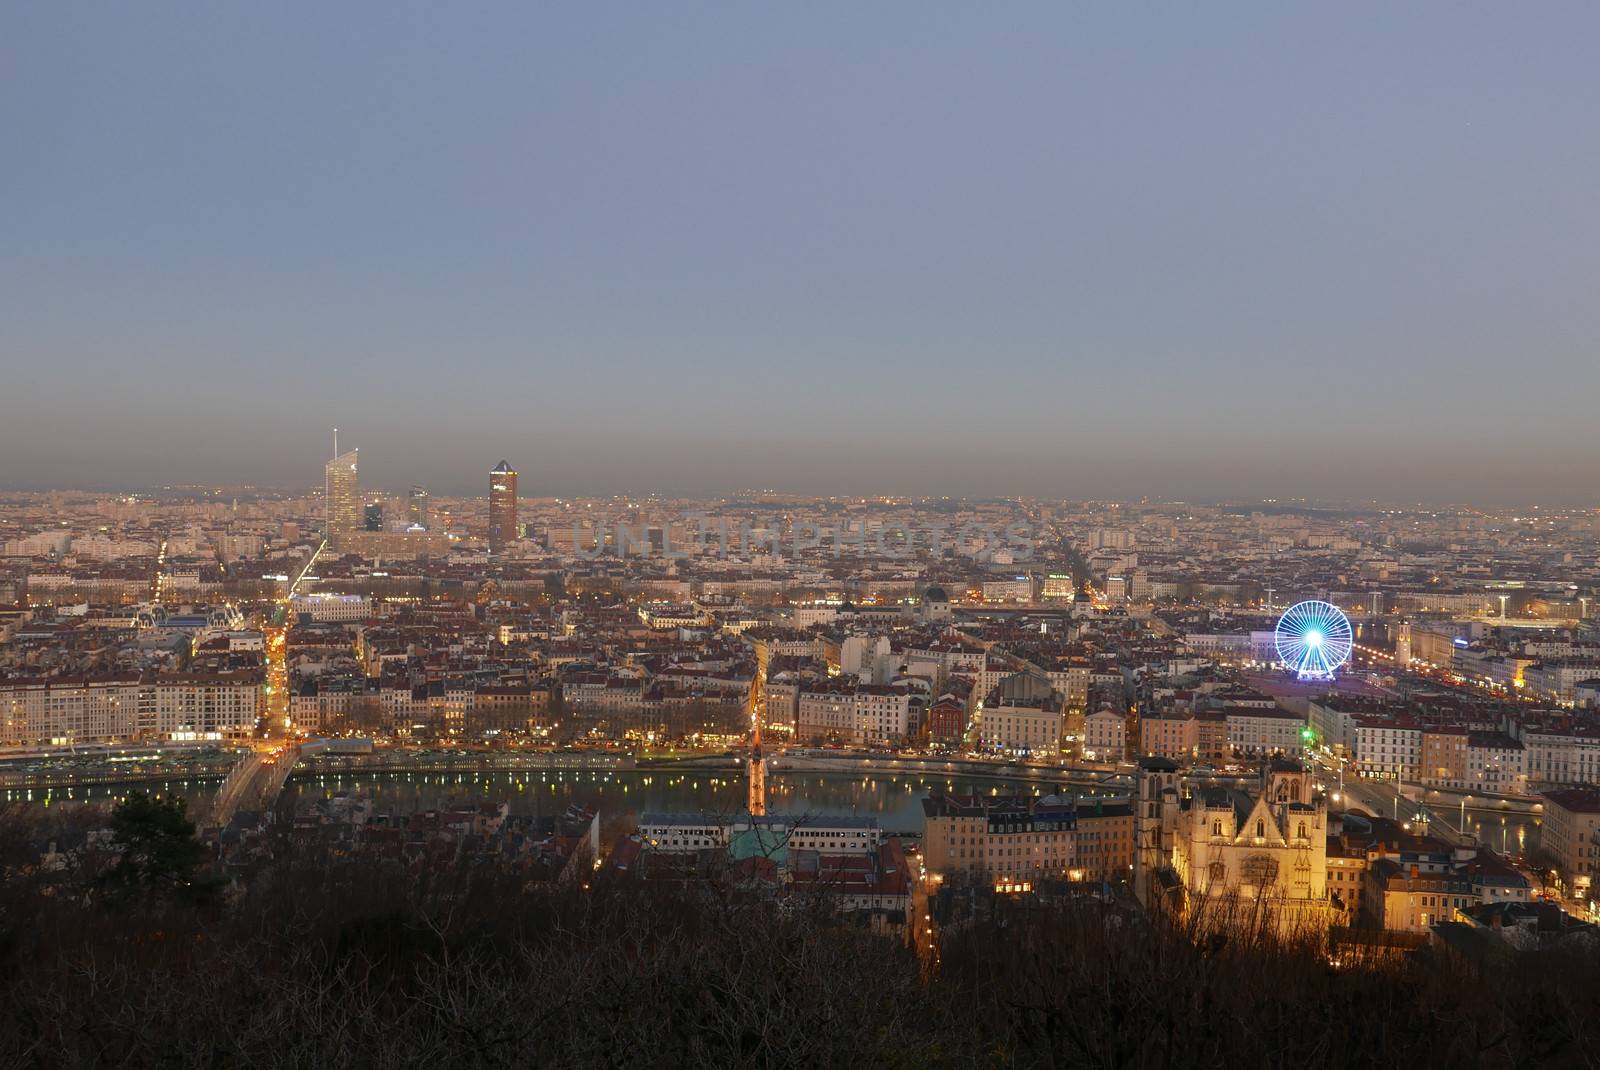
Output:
[[342, 495]]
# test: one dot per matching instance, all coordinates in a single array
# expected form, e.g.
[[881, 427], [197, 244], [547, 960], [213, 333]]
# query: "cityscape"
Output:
[[1378, 728], [813, 538]]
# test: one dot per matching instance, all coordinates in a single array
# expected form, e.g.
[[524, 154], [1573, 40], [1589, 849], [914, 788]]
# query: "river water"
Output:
[[894, 799]]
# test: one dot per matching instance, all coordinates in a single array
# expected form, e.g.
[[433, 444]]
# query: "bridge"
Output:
[[254, 783]]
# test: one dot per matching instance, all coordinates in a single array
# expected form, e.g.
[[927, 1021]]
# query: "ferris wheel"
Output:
[[1313, 639]]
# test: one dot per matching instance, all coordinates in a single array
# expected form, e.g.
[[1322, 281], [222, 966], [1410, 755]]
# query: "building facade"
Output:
[[1571, 820], [342, 495], [1262, 858], [502, 507], [1024, 714], [155, 706], [1014, 838]]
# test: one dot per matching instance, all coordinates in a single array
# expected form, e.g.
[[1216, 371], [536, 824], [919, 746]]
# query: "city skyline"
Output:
[[1090, 254], [558, 484]]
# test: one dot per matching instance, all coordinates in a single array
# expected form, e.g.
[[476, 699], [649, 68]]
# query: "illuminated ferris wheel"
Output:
[[1313, 639]]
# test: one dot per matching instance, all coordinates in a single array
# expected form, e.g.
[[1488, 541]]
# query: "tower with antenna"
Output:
[[341, 492]]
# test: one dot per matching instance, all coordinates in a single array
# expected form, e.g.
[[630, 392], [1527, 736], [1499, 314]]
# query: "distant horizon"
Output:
[[749, 495], [827, 469]]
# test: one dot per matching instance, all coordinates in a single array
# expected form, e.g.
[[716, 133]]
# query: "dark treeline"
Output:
[[323, 961]]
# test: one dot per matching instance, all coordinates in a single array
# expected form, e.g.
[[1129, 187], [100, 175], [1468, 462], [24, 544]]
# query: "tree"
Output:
[[159, 854]]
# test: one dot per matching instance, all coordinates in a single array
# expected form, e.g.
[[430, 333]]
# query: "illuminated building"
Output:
[[1571, 823], [692, 832], [323, 607], [340, 495], [502, 506], [1017, 589], [1059, 587], [1245, 859], [417, 507], [152, 706], [998, 837], [408, 545], [1022, 715], [1105, 735]]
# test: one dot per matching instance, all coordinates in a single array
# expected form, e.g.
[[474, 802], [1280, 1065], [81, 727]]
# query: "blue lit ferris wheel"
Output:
[[1313, 639]]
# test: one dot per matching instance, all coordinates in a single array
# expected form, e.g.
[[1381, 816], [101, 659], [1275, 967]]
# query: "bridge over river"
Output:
[[254, 784]]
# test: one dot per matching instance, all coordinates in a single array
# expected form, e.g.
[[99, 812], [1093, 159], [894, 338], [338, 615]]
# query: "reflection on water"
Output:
[[1508, 834], [895, 800], [194, 789]]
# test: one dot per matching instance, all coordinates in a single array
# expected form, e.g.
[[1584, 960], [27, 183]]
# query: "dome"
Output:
[[935, 594]]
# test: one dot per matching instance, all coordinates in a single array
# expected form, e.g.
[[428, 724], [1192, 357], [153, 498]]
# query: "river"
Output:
[[894, 799]]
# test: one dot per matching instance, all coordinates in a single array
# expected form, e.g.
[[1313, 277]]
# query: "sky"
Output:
[[1209, 251]]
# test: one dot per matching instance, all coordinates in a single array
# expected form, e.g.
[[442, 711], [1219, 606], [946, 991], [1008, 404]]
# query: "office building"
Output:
[[417, 508], [502, 506], [340, 495]]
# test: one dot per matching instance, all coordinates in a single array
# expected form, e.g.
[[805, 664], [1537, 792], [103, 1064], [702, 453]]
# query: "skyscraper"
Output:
[[417, 507], [372, 518], [502, 506], [341, 495]]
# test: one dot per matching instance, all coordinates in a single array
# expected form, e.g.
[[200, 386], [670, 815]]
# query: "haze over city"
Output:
[[1229, 253]]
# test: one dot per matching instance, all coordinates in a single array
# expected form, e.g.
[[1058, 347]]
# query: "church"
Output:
[[1225, 856]]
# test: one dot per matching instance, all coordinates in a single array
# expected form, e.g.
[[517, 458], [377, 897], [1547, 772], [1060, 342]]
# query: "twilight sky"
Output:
[[1199, 251]]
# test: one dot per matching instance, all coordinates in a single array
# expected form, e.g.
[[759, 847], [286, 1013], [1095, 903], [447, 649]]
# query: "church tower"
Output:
[[1154, 823], [1285, 782]]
